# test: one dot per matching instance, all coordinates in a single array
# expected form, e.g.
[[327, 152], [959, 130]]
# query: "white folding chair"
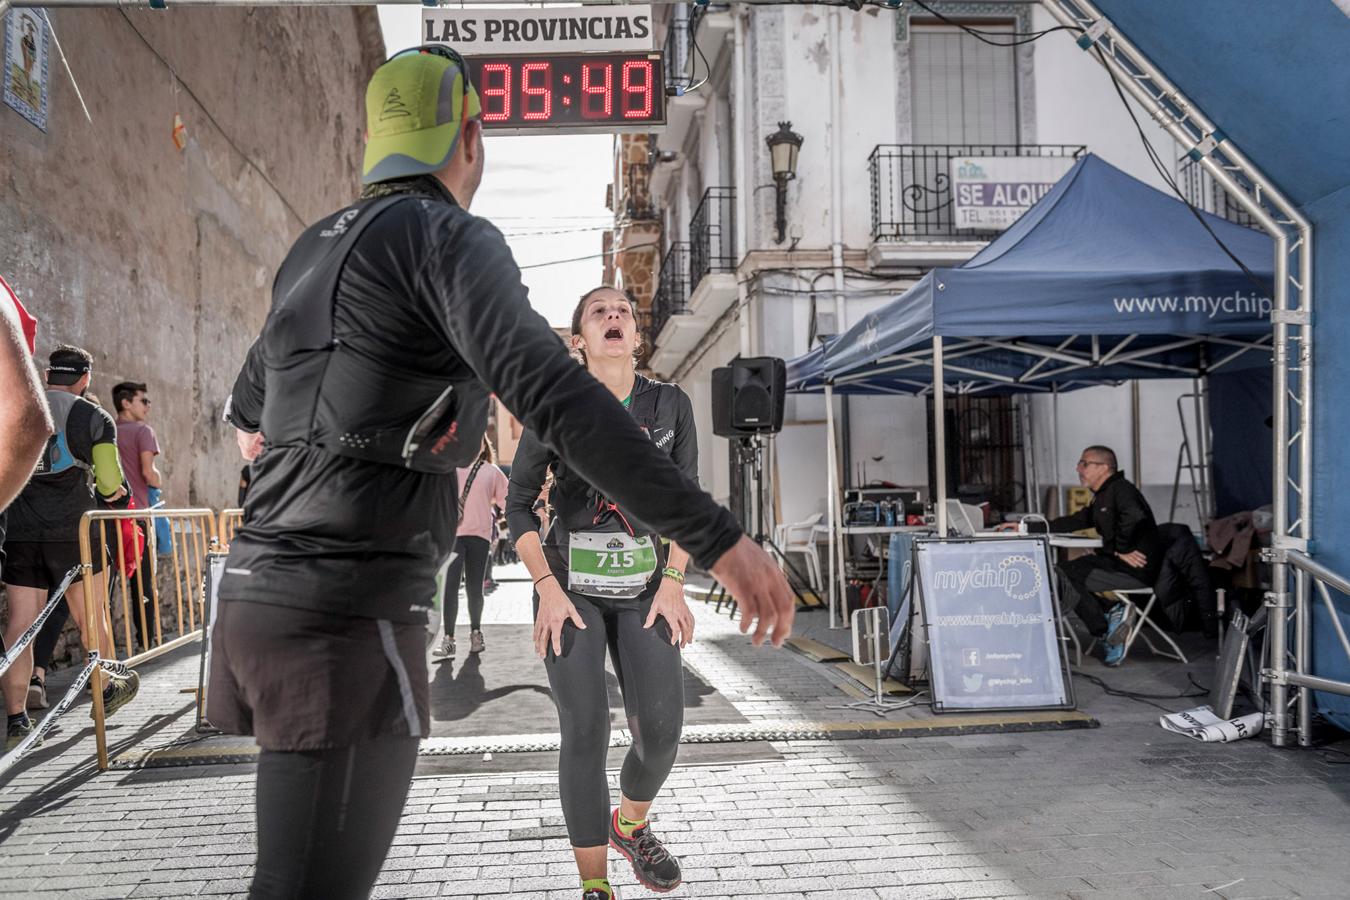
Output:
[[1137, 618], [800, 537]]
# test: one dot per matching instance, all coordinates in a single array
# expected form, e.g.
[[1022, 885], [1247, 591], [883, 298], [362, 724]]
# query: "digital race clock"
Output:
[[611, 91]]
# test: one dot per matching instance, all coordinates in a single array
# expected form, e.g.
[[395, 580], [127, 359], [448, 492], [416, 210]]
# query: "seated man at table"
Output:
[[1129, 557]]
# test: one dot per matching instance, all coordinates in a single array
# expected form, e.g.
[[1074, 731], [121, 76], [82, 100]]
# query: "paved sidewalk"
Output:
[[1125, 810]]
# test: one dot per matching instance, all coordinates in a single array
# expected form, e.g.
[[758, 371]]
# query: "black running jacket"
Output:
[[434, 290]]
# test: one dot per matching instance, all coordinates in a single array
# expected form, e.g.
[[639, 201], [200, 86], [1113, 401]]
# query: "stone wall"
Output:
[[159, 261]]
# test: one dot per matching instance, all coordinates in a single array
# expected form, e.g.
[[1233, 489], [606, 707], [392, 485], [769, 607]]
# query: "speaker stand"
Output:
[[750, 453]]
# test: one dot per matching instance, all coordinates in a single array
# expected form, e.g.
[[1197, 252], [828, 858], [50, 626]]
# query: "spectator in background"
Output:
[[137, 447], [483, 487], [136, 443]]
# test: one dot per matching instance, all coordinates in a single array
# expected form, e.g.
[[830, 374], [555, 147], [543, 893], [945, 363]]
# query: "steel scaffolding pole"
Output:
[[1291, 318]]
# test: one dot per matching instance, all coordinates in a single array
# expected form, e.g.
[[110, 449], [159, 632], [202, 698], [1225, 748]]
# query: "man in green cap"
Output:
[[391, 322]]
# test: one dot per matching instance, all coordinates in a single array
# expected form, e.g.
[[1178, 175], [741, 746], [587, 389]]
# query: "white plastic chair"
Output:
[[1139, 617], [800, 537]]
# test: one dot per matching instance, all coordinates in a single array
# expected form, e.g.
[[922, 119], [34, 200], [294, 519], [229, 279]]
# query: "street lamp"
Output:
[[783, 146]]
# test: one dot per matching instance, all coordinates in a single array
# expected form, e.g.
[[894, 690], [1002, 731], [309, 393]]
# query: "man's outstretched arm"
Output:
[[485, 309]]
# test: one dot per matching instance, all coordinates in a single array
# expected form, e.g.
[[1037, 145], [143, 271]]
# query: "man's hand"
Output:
[[1133, 558], [670, 605], [1006, 526], [250, 444], [761, 591]]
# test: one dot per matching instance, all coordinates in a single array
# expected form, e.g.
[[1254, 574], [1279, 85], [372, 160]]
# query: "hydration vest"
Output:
[[74, 429], [322, 394]]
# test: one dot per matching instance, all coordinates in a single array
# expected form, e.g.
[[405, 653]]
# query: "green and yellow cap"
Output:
[[416, 107]]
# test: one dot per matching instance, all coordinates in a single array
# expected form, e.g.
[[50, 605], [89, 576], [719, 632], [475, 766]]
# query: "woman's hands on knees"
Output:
[[554, 611], [670, 605]]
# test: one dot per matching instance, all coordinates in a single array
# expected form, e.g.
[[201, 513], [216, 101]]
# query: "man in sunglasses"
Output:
[[1130, 555], [392, 320]]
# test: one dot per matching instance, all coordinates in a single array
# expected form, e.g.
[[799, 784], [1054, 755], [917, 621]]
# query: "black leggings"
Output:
[[326, 818], [471, 558], [652, 682]]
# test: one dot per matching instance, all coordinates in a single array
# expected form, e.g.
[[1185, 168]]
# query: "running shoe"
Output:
[[17, 732], [476, 644], [1115, 655], [120, 690], [1117, 621], [652, 863], [447, 648], [37, 693], [597, 894]]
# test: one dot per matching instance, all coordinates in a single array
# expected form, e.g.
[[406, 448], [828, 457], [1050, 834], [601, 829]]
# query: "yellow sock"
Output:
[[628, 826]]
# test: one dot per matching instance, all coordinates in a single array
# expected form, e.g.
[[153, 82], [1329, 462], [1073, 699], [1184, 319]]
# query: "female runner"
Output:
[[482, 486], [604, 580]]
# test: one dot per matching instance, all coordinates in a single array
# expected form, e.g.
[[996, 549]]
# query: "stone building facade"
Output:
[[159, 260], [633, 247]]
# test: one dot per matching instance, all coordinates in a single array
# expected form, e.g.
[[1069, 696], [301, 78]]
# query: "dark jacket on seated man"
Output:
[[1122, 517]]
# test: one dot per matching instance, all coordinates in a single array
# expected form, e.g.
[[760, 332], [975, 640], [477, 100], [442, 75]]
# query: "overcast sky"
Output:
[[535, 187]]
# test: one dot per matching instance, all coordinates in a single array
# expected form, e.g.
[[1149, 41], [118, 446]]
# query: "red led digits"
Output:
[[637, 98], [605, 91], [496, 97], [544, 91]]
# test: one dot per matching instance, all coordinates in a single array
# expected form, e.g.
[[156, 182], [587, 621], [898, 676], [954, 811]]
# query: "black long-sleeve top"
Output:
[[432, 289], [664, 413], [1122, 517]]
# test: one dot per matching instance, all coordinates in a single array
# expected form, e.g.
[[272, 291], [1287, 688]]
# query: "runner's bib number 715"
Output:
[[609, 564]]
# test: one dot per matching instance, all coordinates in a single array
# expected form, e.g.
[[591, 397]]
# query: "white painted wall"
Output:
[[1101, 415]]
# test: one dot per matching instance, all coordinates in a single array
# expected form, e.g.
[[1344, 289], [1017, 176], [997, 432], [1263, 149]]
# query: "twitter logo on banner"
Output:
[[972, 682]]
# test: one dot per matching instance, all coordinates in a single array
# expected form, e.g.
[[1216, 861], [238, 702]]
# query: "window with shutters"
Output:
[[964, 90]]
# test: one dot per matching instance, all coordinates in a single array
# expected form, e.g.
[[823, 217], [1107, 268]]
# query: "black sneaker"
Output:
[[37, 693], [17, 732], [120, 691], [652, 863]]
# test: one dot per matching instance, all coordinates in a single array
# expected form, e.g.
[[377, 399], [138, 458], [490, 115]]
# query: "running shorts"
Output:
[[297, 679], [43, 564]]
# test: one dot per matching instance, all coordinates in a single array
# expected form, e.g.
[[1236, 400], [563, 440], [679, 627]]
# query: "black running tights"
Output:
[[471, 559], [326, 818], [652, 681]]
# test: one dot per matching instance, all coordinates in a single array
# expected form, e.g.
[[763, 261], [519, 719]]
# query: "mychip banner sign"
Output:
[[576, 29], [991, 620], [989, 193]]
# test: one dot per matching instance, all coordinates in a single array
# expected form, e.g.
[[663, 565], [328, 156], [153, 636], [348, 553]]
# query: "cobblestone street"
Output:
[[1123, 810]]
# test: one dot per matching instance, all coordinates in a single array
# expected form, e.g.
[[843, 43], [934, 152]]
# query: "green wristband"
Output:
[[673, 574]]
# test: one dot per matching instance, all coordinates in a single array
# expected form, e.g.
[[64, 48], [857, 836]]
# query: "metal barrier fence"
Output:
[[191, 534], [229, 522]]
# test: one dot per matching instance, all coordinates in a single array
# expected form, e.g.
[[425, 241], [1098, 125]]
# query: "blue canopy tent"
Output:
[[1106, 279]]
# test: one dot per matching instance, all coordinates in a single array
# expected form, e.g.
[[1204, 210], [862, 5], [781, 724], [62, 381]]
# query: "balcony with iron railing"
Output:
[[1203, 192], [912, 195], [712, 234], [672, 289]]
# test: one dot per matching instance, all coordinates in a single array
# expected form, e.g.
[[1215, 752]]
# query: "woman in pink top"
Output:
[[482, 486]]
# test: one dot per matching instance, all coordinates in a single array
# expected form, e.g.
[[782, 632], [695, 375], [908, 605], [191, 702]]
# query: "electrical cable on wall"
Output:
[[212, 119], [601, 255], [1024, 37], [1166, 176]]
